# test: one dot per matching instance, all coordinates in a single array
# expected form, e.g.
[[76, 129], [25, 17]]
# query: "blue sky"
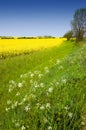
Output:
[[37, 17]]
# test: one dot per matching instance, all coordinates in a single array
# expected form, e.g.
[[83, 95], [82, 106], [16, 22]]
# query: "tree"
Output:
[[68, 35], [79, 24]]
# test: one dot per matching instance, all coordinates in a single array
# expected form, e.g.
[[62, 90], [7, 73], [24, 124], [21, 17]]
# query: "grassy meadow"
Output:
[[42, 84]]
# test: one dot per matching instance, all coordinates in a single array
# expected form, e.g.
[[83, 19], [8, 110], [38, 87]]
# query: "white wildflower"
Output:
[[46, 69], [36, 72], [58, 61], [31, 81], [70, 114], [24, 99], [48, 105], [10, 90], [14, 105], [50, 90], [21, 76], [11, 87], [8, 102], [27, 108], [17, 124], [23, 127], [12, 82], [38, 104], [49, 128], [64, 81], [83, 123], [66, 108], [18, 93], [20, 103], [7, 109], [19, 85], [42, 107], [42, 85], [36, 86], [45, 120], [31, 75], [40, 75], [57, 83], [24, 75]]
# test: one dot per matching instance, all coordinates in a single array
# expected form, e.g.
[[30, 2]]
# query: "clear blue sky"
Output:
[[37, 17]]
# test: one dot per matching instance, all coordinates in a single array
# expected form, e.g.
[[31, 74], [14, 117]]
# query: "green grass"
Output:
[[44, 90]]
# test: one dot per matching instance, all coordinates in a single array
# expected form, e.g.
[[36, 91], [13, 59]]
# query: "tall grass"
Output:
[[44, 90]]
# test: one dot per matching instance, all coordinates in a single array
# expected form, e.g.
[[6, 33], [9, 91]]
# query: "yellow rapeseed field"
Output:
[[21, 45]]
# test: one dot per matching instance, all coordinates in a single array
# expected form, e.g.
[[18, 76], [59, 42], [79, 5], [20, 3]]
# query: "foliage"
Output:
[[46, 37], [6, 37], [68, 35], [79, 24], [26, 37]]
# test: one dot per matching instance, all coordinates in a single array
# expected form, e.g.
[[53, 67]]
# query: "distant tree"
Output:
[[68, 35], [79, 24]]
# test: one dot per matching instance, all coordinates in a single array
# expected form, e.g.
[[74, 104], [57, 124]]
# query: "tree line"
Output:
[[78, 25]]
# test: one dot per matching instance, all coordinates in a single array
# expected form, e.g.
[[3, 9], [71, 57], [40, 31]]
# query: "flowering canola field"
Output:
[[22, 45]]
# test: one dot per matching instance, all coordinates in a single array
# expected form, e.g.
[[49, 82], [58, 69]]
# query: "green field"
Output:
[[44, 90]]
